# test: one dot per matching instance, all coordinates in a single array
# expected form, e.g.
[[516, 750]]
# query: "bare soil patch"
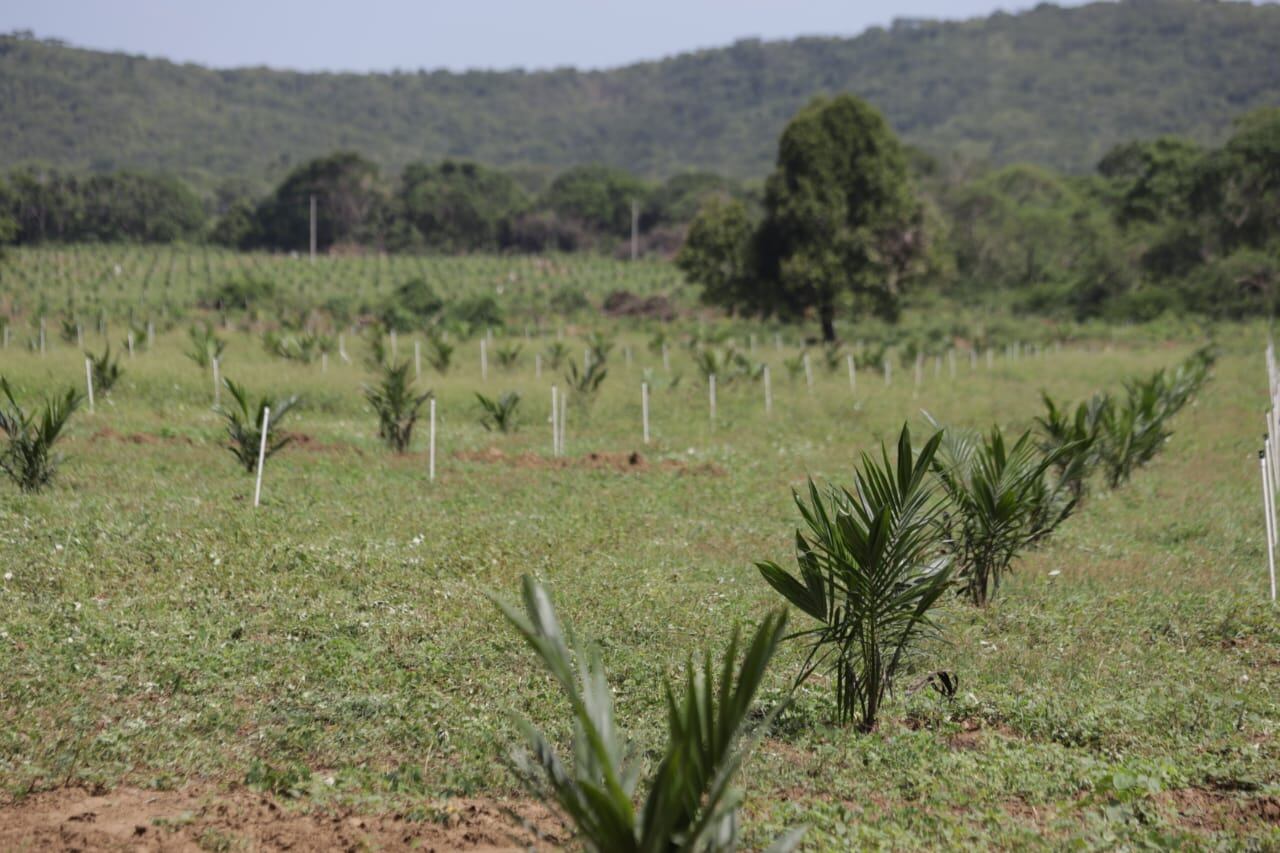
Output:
[[626, 462], [206, 818], [108, 434], [1213, 810]]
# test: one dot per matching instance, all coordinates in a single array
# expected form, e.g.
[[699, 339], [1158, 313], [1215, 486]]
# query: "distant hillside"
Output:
[[1051, 86]]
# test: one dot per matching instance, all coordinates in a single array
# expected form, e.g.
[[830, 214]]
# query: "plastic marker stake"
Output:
[[88, 381], [262, 455]]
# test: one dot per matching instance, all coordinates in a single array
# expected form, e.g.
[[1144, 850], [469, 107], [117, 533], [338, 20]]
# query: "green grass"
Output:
[[156, 629]]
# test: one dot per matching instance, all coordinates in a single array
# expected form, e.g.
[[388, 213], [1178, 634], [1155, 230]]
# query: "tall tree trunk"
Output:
[[827, 314]]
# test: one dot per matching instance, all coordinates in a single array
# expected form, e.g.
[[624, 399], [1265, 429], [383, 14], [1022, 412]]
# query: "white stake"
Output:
[[777, 341], [853, 373], [644, 409], [484, 360], [431, 445], [130, 338], [555, 423], [324, 362], [888, 372], [564, 416], [262, 454], [88, 381], [951, 361], [342, 349], [768, 391], [217, 384], [394, 348], [808, 373], [711, 391], [537, 365], [151, 334], [79, 336], [666, 358], [991, 358], [1267, 508], [626, 355]]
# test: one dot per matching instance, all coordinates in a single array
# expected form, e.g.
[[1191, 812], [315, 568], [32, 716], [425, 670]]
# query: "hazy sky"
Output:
[[364, 35]]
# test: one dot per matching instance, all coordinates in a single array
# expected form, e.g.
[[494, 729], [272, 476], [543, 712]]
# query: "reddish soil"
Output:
[[632, 462], [108, 434], [1212, 810], [207, 818]]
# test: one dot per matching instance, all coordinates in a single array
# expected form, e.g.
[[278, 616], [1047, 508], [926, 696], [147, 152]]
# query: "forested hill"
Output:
[[1051, 86]]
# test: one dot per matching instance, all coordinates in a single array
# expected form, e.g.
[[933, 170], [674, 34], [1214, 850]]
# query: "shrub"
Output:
[[396, 404], [412, 303], [28, 457], [870, 570], [244, 425], [105, 369], [499, 415], [690, 804], [242, 293], [476, 311]]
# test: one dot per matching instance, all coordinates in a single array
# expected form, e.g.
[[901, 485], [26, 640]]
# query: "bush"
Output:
[[28, 457]]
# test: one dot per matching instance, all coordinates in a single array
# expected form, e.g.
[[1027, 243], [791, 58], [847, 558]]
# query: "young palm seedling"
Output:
[[509, 356], [439, 353], [871, 567], [244, 425], [691, 804], [105, 369], [556, 354], [1133, 430], [205, 346], [499, 415], [396, 404], [600, 346], [996, 495], [585, 383], [28, 457]]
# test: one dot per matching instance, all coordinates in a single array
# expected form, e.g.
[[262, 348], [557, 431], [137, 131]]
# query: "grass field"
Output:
[[336, 645]]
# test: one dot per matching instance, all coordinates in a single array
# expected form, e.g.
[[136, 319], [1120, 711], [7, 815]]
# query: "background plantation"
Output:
[[336, 644]]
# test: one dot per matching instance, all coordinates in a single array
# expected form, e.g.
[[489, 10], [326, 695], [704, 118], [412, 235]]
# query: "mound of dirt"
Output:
[[631, 462], [624, 303], [198, 818]]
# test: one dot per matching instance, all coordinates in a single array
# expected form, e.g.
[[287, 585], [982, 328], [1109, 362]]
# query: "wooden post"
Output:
[[262, 454]]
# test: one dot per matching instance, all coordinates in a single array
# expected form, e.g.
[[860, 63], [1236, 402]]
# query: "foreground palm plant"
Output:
[[244, 425], [870, 570], [105, 369], [999, 504], [691, 804], [205, 346], [396, 404], [499, 415], [28, 457]]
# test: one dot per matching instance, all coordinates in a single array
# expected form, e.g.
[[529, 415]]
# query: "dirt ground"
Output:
[[206, 818]]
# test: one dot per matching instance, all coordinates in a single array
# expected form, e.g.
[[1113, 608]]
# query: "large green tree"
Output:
[[842, 226], [459, 206], [349, 203], [599, 197]]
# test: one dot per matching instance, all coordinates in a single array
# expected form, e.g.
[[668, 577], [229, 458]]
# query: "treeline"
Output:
[[450, 207], [1161, 225]]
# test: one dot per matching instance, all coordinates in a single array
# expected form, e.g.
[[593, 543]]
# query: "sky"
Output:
[[384, 35]]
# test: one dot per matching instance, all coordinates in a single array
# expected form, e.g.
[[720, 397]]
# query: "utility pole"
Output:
[[635, 229], [313, 228]]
